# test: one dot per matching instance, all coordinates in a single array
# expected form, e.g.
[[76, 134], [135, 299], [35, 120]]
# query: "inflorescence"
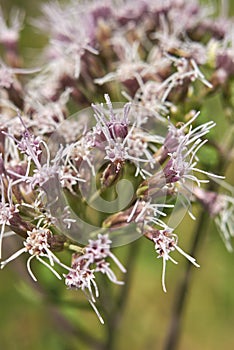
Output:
[[59, 175]]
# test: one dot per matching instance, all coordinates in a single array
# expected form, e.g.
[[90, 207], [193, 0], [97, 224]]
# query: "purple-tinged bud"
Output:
[[117, 129], [113, 128], [18, 225], [56, 242], [171, 175]]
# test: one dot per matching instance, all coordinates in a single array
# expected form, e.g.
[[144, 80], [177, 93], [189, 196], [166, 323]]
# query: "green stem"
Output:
[[115, 316], [173, 334], [74, 248]]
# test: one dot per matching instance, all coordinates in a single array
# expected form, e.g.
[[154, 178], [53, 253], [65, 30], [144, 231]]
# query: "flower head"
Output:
[[116, 126], [37, 245], [165, 242], [93, 260], [182, 149]]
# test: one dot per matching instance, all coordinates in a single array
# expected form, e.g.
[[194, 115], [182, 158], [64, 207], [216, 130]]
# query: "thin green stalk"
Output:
[[173, 335], [115, 316]]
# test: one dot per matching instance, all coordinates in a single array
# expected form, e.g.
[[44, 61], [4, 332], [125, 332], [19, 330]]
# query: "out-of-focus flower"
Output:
[[221, 208], [69, 41], [9, 34]]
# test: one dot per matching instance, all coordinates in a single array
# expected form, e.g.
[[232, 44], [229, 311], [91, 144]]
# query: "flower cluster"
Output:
[[111, 166], [84, 267]]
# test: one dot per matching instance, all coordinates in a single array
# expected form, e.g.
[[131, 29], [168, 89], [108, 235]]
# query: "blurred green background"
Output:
[[29, 322]]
